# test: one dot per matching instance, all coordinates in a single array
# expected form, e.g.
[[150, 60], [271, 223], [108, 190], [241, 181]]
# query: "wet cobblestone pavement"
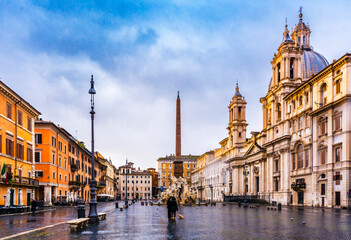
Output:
[[216, 222], [10, 225]]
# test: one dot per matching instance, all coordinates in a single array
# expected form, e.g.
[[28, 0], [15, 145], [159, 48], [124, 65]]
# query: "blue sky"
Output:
[[141, 53]]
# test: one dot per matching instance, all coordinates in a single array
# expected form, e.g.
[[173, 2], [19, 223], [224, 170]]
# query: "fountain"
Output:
[[179, 189]]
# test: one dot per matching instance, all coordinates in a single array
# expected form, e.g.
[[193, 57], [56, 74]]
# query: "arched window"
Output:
[[300, 101], [279, 112], [299, 151], [323, 93], [292, 68], [278, 71]]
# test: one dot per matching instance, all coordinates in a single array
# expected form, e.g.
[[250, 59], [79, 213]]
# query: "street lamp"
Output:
[[245, 172], [93, 216]]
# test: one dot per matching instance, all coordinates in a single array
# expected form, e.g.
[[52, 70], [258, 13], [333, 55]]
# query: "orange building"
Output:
[[80, 177], [52, 162], [17, 184]]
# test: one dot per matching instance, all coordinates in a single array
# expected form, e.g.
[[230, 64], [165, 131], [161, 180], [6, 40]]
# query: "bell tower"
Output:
[[237, 119]]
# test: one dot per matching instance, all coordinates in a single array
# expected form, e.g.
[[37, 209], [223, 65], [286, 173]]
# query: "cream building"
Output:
[[302, 154], [134, 183], [209, 177]]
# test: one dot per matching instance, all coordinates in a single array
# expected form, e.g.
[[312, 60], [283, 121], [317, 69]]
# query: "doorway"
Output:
[[257, 184], [300, 197], [28, 198], [337, 198], [12, 196]]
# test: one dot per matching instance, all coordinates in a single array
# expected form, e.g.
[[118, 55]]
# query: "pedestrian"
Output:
[[169, 208], [33, 205], [173, 208]]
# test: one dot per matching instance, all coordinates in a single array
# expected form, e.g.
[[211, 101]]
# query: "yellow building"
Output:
[[17, 184], [166, 167]]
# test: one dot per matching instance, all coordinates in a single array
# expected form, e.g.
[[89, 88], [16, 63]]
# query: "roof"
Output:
[[35, 112]]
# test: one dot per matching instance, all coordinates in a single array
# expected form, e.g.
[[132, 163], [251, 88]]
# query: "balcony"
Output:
[[74, 167], [102, 182], [20, 182], [74, 184]]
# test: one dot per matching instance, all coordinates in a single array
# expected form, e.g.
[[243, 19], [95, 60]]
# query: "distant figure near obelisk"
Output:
[[178, 162]]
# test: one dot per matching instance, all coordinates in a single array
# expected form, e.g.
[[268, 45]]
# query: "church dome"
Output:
[[312, 63]]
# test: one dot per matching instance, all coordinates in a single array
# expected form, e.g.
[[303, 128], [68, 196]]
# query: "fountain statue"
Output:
[[179, 189]]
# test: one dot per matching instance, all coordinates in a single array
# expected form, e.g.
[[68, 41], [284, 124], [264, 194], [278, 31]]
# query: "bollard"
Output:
[[279, 206], [121, 209], [116, 204], [239, 204], [81, 211], [142, 203]]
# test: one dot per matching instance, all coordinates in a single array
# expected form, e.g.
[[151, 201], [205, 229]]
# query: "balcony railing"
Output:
[[74, 167], [23, 181], [102, 182], [75, 183]]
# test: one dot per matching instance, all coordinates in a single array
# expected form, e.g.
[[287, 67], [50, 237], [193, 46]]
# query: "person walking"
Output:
[[173, 208], [33, 205], [169, 208]]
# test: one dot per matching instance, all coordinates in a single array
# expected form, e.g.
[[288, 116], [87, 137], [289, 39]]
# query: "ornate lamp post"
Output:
[[93, 216], [245, 172]]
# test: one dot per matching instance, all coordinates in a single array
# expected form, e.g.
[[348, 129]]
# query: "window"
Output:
[[29, 154], [38, 138], [337, 121], [9, 147], [337, 178], [276, 164], [300, 122], [65, 178], [20, 118], [188, 174], [307, 158], [337, 153], [60, 176], [37, 157], [292, 68], [38, 173], [279, 112], [60, 145], [20, 151], [300, 101], [53, 158], [59, 161], [239, 134], [337, 86], [8, 110], [323, 155], [188, 166], [323, 92], [323, 189], [323, 126], [306, 97], [60, 192], [239, 113], [65, 163], [53, 175], [65, 148], [278, 72], [29, 124], [53, 141], [293, 161]]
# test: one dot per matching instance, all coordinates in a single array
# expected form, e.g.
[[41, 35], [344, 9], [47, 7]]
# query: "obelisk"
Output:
[[178, 162]]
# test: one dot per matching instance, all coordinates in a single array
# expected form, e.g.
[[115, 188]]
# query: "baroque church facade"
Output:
[[302, 154]]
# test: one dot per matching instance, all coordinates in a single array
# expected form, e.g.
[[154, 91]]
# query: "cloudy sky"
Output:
[[141, 53]]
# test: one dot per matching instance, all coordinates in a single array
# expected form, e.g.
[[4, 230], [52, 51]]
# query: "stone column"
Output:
[[47, 196]]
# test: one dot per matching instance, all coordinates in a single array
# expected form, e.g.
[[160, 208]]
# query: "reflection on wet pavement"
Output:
[[217, 222]]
